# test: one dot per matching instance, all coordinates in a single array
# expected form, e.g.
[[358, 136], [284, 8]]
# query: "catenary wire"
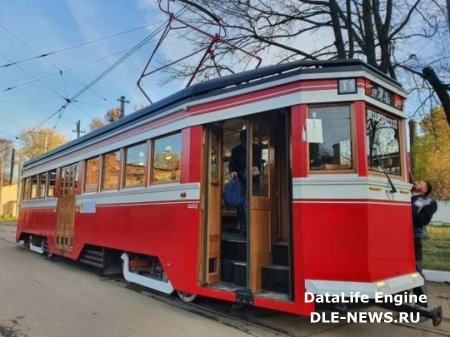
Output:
[[82, 44]]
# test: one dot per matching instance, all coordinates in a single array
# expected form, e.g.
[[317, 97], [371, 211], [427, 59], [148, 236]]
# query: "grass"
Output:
[[436, 249], [7, 219]]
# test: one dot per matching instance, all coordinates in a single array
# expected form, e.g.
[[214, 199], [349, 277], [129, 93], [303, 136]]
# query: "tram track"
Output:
[[250, 320], [237, 319]]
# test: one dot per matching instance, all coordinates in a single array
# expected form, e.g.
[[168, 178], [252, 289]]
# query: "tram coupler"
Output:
[[434, 314]]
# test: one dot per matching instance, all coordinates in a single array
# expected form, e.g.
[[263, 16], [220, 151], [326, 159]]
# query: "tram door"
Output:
[[212, 204], [261, 194], [66, 206]]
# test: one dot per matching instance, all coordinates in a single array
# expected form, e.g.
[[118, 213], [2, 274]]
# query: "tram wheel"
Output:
[[186, 297]]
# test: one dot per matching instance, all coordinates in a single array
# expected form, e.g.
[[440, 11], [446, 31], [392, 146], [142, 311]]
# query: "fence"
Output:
[[443, 213]]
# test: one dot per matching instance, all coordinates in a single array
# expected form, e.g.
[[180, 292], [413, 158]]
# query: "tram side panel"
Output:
[[353, 241], [167, 229], [36, 220]]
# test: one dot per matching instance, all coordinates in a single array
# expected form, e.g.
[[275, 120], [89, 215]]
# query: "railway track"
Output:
[[250, 320]]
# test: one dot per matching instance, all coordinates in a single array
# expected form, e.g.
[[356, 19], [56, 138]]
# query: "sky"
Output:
[[29, 28]]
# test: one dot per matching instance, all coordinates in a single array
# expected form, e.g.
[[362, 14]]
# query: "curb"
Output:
[[437, 276]]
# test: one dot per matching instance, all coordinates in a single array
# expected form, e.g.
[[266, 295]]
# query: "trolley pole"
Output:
[[122, 101], [77, 129]]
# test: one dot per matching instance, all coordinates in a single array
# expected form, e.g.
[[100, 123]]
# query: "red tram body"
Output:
[[147, 189]]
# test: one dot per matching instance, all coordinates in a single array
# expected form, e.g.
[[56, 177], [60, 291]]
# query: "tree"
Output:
[[384, 33], [111, 115], [5, 157], [431, 152], [40, 141], [97, 123]]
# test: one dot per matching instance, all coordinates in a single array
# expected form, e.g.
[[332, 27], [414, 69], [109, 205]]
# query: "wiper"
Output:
[[393, 189]]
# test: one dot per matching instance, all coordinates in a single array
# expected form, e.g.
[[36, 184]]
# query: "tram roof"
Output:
[[221, 85]]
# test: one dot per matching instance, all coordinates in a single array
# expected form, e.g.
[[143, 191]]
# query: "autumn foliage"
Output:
[[431, 153]]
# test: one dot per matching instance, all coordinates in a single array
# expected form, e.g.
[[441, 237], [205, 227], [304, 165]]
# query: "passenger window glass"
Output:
[[136, 165], [42, 185], [34, 187], [27, 189], [213, 160], [335, 152], [383, 143], [51, 183], [92, 175], [260, 167], [166, 159], [111, 170]]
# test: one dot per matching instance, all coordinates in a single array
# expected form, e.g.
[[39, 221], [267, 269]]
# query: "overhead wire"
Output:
[[59, 112], [34, 77], [78, 45], [20, 85], [27, 45]]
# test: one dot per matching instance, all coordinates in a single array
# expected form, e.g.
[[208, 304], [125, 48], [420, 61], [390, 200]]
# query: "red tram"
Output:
[[328, 210]]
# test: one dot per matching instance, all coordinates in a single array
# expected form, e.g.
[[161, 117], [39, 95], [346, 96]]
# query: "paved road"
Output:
[[42, 298]]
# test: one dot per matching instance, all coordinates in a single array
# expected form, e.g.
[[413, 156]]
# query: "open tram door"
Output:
[[258, 260]]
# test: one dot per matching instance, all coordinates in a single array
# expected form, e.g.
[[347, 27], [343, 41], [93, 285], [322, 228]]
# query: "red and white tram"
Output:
[[143, 195]]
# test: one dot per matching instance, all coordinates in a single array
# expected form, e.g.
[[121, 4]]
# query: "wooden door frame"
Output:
[[205, 208], [255, 283]]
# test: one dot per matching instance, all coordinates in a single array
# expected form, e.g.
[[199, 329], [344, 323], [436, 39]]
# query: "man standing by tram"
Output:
[[423, 208]]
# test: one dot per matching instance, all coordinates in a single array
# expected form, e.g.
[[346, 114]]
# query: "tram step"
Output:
[[280, 253], [235, 272], [93, 256], [91, 263], [234, 249], [276, 278]]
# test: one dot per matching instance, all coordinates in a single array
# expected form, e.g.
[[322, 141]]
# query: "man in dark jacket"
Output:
[[423, 208], [238, 168]]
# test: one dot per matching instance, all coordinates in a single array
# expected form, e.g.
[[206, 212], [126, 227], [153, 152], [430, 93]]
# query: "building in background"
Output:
[[9, 201]]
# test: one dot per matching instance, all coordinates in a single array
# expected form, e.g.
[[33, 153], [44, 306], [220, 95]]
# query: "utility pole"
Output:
[[13, 159], [448, 13], [77, 129], [46, 142], [122, 101], [1, 187], [19, 181], [412, 139]]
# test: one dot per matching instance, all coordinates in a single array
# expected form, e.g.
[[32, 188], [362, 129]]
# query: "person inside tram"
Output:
[[238, 168], [423, 208]]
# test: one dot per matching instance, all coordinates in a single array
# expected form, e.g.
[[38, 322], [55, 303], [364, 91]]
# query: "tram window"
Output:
[[383, 143], [166, 158], [34, 187], [26, 189], [111, 170], [135, 165], [92, 176], [42, 185], [51, 183], [335, 152]]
